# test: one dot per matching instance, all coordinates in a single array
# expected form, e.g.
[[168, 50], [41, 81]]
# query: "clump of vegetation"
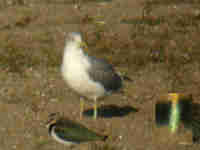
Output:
[[7, 3], [17, 57], [94, 1], [146, 20], [102, 147], [96, 20], [169, 2]]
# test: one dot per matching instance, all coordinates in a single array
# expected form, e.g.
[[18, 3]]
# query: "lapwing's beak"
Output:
[[52, 119], [50, 122]]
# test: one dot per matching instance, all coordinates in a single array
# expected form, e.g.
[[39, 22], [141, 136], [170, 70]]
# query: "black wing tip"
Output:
[[105, 138], [116, 83], [126, 78]]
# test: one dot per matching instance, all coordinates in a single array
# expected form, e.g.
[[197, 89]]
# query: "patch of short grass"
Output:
[[17, 58], [102, 147], [7, 3], [96, 20], [41, 144], [169, 2], [169, 41], [20, 17], [94, 1], [146, 20]]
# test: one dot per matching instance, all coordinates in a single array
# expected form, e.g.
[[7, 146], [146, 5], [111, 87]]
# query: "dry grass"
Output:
[[160, 51]]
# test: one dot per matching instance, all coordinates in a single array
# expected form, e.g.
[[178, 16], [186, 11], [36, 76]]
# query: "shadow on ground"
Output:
[[189, 116], [109, 111]]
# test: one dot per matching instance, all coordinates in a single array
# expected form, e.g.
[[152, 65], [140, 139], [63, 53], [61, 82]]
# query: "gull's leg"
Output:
[[95, 108], [81, 107]]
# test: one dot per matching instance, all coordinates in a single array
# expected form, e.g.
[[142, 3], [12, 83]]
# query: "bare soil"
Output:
[[154, 42]]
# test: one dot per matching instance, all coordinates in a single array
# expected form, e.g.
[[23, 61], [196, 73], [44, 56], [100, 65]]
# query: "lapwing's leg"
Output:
[[81, 107], [95, 108]]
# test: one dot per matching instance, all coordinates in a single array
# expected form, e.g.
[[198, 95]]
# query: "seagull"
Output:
[[70, 133], [90, 77]]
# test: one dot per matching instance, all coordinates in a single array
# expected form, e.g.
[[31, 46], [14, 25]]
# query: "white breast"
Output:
[[74, 71]]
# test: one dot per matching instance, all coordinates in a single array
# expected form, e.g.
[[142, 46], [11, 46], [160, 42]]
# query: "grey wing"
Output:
[[103, 73]]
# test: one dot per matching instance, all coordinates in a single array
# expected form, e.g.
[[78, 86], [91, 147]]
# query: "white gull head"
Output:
[[74, 38]]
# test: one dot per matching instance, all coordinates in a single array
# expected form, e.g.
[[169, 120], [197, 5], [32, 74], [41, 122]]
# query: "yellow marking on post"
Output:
[[175, 111]]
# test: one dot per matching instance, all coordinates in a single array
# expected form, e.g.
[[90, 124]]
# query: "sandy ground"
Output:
[[155, 43]]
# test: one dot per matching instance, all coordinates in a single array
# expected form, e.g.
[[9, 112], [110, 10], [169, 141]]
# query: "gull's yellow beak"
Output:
[[83, 45]]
